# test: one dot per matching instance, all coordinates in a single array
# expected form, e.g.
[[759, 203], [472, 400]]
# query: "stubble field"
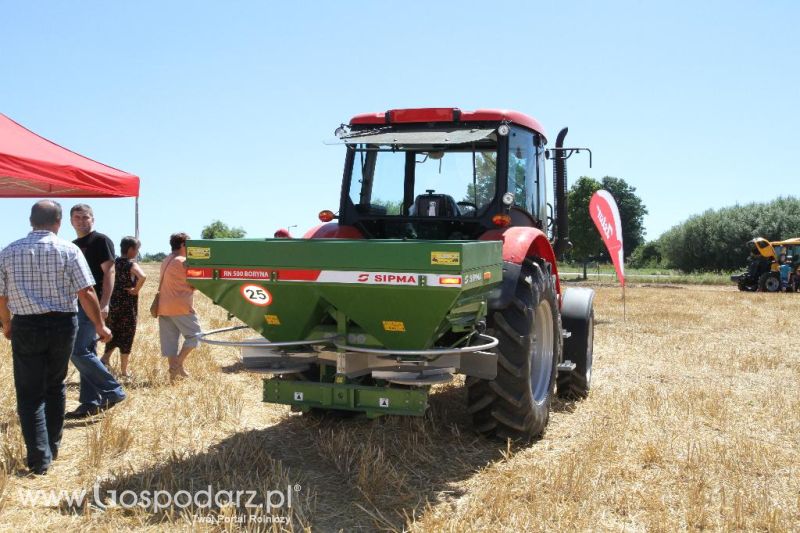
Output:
[[693, 423]]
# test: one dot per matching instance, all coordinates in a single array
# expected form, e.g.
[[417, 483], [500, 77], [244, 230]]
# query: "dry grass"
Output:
[[693, 423]]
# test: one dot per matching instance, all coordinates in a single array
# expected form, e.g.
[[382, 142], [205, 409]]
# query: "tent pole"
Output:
[[137, 218]]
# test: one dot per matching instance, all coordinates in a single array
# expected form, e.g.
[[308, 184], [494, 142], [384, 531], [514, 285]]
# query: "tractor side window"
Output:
[[522, 169], [376, 186]]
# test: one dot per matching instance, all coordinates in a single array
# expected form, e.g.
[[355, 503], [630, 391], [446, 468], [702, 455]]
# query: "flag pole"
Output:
[[136, 219]]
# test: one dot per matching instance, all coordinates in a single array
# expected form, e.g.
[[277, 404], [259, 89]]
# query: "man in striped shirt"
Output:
[[42, 277]]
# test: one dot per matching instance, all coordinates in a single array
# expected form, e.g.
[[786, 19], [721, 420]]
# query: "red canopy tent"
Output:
[[33, 167]]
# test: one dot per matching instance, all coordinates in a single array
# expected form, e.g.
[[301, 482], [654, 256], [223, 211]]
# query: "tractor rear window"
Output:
[[456, 182]]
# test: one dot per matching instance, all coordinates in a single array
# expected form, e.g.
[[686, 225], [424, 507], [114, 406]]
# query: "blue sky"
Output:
[[222, 107]]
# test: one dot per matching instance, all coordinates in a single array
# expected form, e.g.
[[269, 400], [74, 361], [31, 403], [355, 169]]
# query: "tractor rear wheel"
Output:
[[516, 404], [769, 282]]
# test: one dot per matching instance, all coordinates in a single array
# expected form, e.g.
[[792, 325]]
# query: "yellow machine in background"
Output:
[[762, 270]]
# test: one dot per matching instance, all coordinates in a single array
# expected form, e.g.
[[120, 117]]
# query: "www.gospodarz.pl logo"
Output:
[[160, 500]]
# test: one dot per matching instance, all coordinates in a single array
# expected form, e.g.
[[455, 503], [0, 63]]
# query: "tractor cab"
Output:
[[787, 248], [442, 174], [761, 247]]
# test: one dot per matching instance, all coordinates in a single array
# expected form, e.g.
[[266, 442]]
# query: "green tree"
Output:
[[647, 255], [219, 230], [716, 240], [631, 212], [157, 257], [392, 207], [482, 191], [582, 231], [585, 240]]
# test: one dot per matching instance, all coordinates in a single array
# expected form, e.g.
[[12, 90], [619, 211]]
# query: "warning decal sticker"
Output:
[[445, 258], [256, 295], [195, 252]]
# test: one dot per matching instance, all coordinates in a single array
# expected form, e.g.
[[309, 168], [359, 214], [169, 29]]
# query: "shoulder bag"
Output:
[[154, 305]]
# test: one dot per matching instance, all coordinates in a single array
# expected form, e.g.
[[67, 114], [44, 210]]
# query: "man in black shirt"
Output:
[[99, 389]]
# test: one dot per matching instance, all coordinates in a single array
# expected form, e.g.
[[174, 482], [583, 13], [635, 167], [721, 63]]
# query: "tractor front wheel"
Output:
[[769, 282], [516, 404]]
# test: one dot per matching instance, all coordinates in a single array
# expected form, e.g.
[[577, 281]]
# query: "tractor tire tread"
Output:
[[505, 394], [504, 407]]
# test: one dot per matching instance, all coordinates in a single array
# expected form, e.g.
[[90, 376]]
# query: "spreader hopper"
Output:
[[386, 294]]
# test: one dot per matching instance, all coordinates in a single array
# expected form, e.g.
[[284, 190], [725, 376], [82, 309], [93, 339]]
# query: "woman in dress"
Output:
[[124, 305]]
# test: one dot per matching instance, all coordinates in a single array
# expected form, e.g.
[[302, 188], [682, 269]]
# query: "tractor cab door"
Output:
[[526, 178]]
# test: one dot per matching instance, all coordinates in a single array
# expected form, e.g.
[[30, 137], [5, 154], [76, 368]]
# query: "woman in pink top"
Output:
[[176, 316]]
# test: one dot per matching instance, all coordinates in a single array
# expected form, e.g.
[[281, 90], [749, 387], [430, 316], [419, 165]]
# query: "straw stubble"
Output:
[[692, 423]]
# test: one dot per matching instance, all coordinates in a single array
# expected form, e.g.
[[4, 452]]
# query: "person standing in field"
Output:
[[176, 315], [124, 304], [42, 278], [785, 271], [99, 390]]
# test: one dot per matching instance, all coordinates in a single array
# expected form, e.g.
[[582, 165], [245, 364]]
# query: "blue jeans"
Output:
[[98, 386], [41, 346]]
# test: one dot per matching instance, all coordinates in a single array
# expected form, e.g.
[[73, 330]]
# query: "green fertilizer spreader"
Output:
[[366, 325]]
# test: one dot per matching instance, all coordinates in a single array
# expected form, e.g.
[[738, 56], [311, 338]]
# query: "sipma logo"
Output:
[[388, 279], [606, 225], [400, 279]]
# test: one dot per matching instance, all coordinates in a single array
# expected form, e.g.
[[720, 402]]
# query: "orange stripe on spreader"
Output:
[[199, 273]]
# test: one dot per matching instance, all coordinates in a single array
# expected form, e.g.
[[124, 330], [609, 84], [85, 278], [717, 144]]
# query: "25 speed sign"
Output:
[[256, 295]]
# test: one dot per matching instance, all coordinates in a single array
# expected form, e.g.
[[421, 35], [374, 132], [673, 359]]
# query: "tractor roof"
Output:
[[448, 115], [787, 242]]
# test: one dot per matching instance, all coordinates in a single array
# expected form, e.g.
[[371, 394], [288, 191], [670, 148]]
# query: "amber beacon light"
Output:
[[501, 220]]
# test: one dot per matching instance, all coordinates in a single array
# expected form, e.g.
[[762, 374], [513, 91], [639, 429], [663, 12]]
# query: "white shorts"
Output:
[[170, 329]]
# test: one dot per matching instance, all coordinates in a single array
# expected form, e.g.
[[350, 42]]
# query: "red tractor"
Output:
[[443, 174]]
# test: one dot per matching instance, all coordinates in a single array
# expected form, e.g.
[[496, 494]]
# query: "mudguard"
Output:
[[577, 317], [519, 243], [576, 306], [333, 230]]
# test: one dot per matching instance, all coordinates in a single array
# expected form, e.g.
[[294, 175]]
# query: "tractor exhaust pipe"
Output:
[[562, 243]]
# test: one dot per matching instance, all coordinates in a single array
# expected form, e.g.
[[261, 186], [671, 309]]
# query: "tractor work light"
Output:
[[508, 198], [326, 215], [503, 130], [501, 220]]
